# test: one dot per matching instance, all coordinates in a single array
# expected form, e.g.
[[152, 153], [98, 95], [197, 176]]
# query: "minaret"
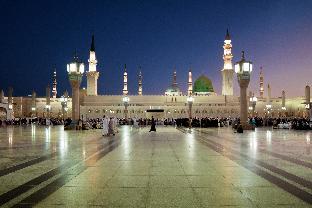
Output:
[[54, 91], [190, 83], [140, 82], [92, 74], [227, 71], [125, 82], [261, 83]]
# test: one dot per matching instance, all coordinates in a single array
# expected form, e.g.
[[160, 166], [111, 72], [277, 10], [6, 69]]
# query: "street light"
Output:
[[243, 70], [75, 71], [125, 101]]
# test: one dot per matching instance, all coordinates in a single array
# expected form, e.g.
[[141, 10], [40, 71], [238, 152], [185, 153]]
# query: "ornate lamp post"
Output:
[[125, 101], [243, 69], [75, 71], [253, 101]]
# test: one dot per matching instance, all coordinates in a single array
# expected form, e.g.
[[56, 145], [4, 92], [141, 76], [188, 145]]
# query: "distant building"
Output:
[[170, 104]]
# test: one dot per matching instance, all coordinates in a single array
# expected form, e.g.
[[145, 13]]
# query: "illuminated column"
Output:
[[64, 99], [190, 83], [125, 82], [33, 104], [75, 71], [125, 101], [253, 102], [92, 74], [190, 101], [307, 101], [283, 103], [140, 83], [268, 100], [54, 91], [48, 98], [227, 71], [261, 83], [1, 96], [243, 69], [10, 104], [249, 103], [269, 94]]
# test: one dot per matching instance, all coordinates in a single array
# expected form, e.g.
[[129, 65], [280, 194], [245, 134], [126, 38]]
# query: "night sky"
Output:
[[37, 36]]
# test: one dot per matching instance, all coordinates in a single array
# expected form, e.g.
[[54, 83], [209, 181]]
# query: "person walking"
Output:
[[105, 126], [111, 127], [153, 125]]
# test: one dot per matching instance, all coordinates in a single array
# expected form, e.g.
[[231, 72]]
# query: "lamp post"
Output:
[[243, 69], [75, 71], [253, 101], [125, 101]]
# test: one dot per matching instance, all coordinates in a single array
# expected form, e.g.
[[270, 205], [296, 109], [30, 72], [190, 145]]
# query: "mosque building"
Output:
[[173, 103]]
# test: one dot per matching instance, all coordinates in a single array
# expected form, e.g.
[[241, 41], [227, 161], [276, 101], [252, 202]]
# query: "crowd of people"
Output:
[[285, 123], [35, 120], [207, 122]]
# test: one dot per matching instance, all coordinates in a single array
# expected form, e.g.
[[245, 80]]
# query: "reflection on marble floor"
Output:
[[50, 167]]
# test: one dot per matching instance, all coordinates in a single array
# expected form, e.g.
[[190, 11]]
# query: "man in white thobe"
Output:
[[105, 126]]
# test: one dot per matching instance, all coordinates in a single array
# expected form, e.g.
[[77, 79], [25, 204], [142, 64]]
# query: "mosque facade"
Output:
[[173, 103]]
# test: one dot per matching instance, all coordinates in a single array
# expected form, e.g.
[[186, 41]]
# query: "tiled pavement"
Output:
[[49, 167]]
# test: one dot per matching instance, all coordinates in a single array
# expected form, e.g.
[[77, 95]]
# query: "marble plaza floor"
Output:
[[50, 167]]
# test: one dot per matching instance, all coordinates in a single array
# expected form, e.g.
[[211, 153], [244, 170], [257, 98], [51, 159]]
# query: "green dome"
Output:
[[203, 84]]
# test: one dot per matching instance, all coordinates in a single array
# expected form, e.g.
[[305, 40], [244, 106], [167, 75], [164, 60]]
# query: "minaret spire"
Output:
[[140, 82], [227, 36], [174, 83], [54, 90], [92, 48], [92, 74], [125, 81], [190, 83], [227, 71]]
